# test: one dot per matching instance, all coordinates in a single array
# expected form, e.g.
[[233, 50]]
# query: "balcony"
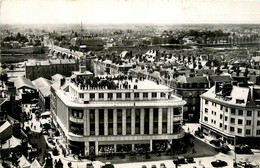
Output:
[[76, 120]]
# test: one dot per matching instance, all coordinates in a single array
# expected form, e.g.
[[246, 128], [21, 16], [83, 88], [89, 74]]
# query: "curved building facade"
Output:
[[112, 114]]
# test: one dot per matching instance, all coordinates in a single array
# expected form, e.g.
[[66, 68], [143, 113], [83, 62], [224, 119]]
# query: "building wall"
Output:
[[230, 120], [46, 71]]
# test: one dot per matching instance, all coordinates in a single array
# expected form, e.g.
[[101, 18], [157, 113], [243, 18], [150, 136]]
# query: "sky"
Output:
[[129, 11]]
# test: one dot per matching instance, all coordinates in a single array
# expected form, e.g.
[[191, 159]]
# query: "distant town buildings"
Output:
[[48, 68]]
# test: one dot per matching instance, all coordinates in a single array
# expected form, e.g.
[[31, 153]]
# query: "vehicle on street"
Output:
[[219, 163], [190, 160], [89, 165], [243, 164], [108, 165], [162, 165], [199, 134], [153, 166], [179, 160], [243, 149]]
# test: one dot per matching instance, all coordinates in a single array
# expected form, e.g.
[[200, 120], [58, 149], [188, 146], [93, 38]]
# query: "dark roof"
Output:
[[218, 78], [195, 79], [241, 80], [204, 71]]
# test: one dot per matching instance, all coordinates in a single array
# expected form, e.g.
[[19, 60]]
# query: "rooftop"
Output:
[[239, 96], [116, 83], [52, 61], [23, 82]]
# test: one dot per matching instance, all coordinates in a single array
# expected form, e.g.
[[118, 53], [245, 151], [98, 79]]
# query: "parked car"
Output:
[[108, 165], [162, 165], [190, 160], [243, 164], [199, 134], [89, 165], [243, 149], [224, 148], [219, 163], [216, 142]]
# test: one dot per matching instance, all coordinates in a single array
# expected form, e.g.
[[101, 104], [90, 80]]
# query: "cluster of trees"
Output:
[[207, 33], [19, 37]]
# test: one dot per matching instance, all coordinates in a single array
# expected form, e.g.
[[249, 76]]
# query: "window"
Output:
[[81, 95], [233, 111], [221, 116], [226, 109], [232, 120], [232, 129], [101, 95], [206, 110], [225, 127], [249, 113], [145, 95], [248, 131], [92, 96], [154, 95], [240, 112], [220, 125], [128, 95], [136, 95], [239, 130], [211, 120], [226, 118], [248, 122], [110, 95], [119, 95], [206, 119], [258, 113], [206, 102], [162, 94], [257, 132], [258, 122], [221, 107], [240, 121], [212, 112]]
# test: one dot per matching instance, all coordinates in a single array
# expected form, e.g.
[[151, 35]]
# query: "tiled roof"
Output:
[[218, 78], [195, 79]]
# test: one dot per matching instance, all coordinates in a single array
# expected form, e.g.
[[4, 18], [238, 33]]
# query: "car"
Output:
[[108, 165], [224, 148], [199, 134], [162, 165], [190, 160], [215, 142], [219, 163], [181, 160], [89, 165], [243, 149]]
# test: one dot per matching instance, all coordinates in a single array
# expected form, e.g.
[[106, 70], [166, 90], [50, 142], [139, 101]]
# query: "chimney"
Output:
[[82, 69], [62, 81]]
